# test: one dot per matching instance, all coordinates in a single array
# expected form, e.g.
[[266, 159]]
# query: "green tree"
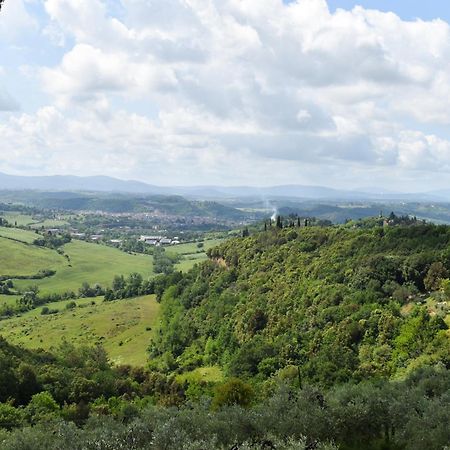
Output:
[[233, 392], [41, 408], [436, 273], [10, 417]]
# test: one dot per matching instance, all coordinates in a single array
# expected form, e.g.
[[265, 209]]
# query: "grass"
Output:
[[18, 234], [23, 220], [17, 218], [189, 261], [49, 223], [8, 299], [191, 253], [123, 327], [211, 374], [192, 247], [93, 263], [19, 259]]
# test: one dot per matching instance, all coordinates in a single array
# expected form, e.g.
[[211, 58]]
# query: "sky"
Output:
[[346, 94]]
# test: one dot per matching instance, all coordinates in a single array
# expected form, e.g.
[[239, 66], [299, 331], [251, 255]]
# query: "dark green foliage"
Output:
[[163, 262], [233, 392], [86, 291], [53, 241], [407, 415], [132, 286], [327, 300]]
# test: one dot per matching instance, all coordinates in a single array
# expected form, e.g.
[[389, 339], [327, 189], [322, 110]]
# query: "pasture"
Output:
[[192, 254], [20, 259], [93, 263], [18, 234], [123, 327]]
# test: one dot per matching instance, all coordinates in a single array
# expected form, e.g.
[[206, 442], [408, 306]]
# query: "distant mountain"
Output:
[[73, 183], [109, 184]]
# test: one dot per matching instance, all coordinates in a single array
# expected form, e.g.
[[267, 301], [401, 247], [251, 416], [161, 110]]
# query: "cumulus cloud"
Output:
[[263, 83]]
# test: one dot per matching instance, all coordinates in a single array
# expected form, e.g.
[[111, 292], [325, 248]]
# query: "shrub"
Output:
[[10, 417], [233, 392]]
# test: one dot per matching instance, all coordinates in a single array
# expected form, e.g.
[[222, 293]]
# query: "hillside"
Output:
[[92, 263], [124, 328], [122, 203], [305, 337], [57, 272], [339, 303], [20, 258]]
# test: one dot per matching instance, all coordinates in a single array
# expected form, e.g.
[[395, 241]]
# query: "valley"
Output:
[[136, 313]]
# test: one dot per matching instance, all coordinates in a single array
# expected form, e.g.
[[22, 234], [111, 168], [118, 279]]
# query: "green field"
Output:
[[189, 261], [18, 234], [19, 259], [23, 220], [92, 263], [192, 247], [16, 218], [123, 327], [191, 253], [8, 299]]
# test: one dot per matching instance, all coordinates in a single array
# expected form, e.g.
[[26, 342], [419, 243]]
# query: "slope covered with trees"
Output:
[[328, 305]]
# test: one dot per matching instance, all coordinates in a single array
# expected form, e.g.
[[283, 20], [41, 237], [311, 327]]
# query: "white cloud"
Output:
[[218, 82], [15, 20]]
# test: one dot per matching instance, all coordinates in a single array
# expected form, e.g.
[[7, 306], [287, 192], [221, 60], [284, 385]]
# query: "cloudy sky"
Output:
[[342, 93]]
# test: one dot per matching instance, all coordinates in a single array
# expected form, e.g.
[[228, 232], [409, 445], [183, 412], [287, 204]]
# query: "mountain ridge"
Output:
[[103, 183]]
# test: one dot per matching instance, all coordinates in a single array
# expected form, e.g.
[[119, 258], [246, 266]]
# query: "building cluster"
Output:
[[159, 240]]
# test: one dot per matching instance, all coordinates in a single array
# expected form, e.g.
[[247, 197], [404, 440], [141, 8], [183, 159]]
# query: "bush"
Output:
[[233, 392], [10, 417], [41, 408]]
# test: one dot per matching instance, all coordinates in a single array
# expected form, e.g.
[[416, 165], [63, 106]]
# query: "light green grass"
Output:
[[93, 263], [191, 253], [49, 223], [120, 326], [8, 299], [21, 220], [212, 374], [21, 259], [191, 247], [20, 235], [189, 261]]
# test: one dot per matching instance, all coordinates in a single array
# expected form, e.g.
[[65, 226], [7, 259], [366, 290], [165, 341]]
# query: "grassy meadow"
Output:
[[123, 327], [21, 259], [191, 253], [93, 263], [17, 234], [25, 220]]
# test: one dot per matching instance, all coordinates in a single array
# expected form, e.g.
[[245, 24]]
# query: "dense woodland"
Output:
[[328, 337], [338, 303]]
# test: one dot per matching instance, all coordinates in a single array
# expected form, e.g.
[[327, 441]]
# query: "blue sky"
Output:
[[228, 91], [406, 9]]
